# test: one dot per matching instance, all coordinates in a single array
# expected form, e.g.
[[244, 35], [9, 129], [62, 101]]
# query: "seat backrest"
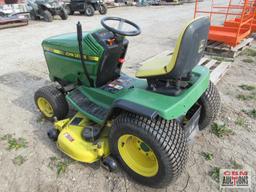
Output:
[[189, 48]]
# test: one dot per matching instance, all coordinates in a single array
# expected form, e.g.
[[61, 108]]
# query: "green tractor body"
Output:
[[63, 60], [143, 122]]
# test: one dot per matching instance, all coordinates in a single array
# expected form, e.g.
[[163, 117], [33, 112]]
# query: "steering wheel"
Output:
[[119, 30]]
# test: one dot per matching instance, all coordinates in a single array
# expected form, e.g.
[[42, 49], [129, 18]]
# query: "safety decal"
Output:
[[69, 137]]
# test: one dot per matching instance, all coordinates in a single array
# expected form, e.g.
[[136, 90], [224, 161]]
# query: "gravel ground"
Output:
[[23, 70]]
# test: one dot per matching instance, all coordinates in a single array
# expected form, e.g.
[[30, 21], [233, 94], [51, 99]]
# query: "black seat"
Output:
[[166, 73], [188, 52]]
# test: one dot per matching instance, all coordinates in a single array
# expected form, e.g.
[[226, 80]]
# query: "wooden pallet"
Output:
[[217, 68], [6, 22], [254, 36], [219, 49]]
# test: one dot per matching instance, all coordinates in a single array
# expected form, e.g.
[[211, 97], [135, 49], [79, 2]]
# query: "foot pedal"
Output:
[[91, 133], [86, 106]]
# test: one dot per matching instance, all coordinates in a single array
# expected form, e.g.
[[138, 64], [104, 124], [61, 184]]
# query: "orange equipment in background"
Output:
[[231, 21], [235, 22]]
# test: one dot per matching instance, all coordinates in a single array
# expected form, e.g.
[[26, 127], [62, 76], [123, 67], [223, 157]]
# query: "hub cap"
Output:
[[45, 107], [138, 155]]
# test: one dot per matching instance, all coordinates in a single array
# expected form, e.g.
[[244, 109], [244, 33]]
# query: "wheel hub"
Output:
[[45, 107], [144, 147], [138, 155]]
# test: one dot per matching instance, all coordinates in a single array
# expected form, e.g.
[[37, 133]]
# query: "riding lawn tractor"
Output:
[[143, 124]]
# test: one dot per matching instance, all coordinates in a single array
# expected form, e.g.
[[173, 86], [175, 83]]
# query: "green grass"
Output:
[[218, 58], [251, 113], [240, 121], [40, 119], [207, 156], [14, 143], [246, 97], [247, 87], [19, 160], [248, 60], [60, 165], [6, 137], [235, 165], [250, 52], [220, 130], [215, 174]]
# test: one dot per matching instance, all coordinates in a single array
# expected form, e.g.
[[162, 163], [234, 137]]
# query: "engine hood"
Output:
[[65, 42], [68, 42]]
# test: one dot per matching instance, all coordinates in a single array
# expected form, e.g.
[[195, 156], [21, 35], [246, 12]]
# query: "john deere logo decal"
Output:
[[70, 54]]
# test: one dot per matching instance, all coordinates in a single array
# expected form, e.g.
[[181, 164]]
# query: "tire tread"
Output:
[[170, 139]]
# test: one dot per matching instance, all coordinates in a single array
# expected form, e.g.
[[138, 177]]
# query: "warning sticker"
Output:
[[69, 137]]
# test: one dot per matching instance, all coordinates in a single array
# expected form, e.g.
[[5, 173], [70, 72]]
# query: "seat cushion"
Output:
[[155, 66]]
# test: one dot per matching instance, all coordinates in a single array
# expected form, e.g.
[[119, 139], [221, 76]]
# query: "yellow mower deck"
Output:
[[71, 143]]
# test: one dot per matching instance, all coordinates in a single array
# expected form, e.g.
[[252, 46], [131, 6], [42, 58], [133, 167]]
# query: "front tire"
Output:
[[103, 9], [89, 10], [152, 152], [210, 103], [51, 103], [47, 16], [32, 15]]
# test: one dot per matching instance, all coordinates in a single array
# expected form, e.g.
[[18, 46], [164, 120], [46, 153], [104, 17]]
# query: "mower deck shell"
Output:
[[71, 143]]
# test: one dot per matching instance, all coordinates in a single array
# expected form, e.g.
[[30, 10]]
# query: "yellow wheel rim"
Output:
[[138, 155], [45, 107]]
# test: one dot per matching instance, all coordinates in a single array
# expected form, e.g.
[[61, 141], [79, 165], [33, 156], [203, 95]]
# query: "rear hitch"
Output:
[[192, 125]]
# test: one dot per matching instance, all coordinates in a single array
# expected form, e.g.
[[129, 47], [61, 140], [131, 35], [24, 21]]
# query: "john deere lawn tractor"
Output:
[[143, 124]]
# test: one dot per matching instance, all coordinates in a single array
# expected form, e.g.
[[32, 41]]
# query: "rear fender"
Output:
[[125, 105]]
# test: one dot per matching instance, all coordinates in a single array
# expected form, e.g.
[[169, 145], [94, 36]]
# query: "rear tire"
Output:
[[47, 16], [165, 139], [63, 14], [103, 9], [51, 103], [68, 10], [210, 103], [89, 10]]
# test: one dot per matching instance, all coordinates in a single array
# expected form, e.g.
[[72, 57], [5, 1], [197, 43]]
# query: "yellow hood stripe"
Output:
[[70, 54]]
